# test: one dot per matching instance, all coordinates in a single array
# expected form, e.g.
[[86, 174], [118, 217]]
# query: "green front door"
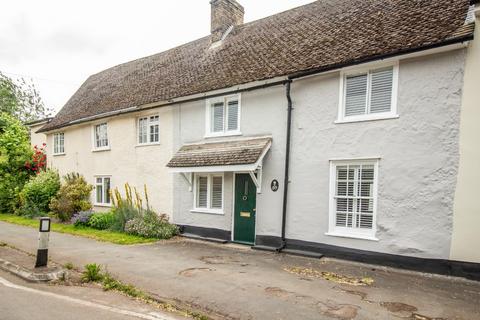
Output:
[[245, 209]]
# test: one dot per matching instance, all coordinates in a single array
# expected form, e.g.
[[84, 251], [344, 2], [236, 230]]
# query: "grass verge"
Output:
[[93, 273], [100, 235]]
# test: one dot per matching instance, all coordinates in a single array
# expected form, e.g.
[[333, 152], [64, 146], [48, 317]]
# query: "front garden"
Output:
[[29, 190]]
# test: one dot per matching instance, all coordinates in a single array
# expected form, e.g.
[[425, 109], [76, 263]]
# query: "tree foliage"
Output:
[[21, 99], [38, 192], [15, 151]]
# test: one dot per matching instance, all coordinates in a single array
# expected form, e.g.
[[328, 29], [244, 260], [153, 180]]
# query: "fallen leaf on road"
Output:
[[330, 276]]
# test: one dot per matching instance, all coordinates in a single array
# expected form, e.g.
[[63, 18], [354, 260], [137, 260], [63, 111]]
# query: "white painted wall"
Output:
[[125, 161], [263, 113], [418, 151], [466, 226], [418, 166], [37, 139]]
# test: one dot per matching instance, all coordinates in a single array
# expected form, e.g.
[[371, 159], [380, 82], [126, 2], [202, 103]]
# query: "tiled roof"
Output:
[[235, 152], [317, 36]]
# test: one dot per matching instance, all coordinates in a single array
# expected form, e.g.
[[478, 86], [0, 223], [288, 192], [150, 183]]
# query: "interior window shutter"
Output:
[[202, 192], [356, 95], [217, 186], [217, 117], [232, 123], [365, 197], [382, 85]]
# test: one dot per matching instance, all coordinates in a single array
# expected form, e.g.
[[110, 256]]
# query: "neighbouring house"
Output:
[[37, 139], [345, 128]]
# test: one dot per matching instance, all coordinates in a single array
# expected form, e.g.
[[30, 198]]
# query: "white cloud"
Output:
[[60, 43]]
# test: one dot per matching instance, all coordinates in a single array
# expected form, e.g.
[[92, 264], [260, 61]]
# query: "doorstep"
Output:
[[302, 253], [197, 237]]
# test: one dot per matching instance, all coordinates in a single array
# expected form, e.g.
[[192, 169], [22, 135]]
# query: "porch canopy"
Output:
[[242, 155]]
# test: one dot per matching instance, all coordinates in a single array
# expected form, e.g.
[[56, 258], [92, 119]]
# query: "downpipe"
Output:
[[287, 164]]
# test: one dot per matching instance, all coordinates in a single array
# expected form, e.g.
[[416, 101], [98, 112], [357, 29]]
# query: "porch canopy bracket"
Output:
[[257, 179], [188, 176], [239, 156]]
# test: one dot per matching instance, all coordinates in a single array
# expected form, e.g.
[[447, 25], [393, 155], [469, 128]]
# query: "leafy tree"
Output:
[[38, 192], [21, 99], [15, 151]]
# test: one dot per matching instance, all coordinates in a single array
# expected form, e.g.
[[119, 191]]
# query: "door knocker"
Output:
[[245, 198]]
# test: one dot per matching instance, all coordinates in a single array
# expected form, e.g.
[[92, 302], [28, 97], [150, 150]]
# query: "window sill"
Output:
[[101, 149], [223, 134], [208, 211], [105, 205], [353, 236], [59, 154], [366, 118], [139, 145]]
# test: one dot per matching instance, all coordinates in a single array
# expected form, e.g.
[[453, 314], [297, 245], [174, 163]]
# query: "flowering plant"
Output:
[[81, 218], [39, 159]]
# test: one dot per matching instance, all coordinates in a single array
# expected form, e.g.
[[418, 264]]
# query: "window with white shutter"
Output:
[[232, 115], [353, 198], [217, 117], [356, 95], [217, 192], [202, 192], [368, 94], [223, 116], [208, 193]]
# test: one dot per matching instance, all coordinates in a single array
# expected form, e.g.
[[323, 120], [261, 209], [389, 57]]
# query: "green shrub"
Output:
[[151, 225], [29, 211], [72, 197], [15, 152], [122, 215], [102, 220], [92, 273], [38, 192]]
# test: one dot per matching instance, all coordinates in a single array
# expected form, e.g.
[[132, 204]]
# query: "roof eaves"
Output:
[[462, 36]]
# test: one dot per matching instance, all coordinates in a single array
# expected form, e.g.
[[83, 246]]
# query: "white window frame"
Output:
[[208, 116], [208, 209], [347, 232], [94, 139], [149, 123], [56, 147], [102, 204], [352, 71]]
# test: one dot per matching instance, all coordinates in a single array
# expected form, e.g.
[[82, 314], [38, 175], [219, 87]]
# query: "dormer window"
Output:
[[223, 116]]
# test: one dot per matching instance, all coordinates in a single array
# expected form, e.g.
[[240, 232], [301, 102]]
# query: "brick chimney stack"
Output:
[[225, 13]]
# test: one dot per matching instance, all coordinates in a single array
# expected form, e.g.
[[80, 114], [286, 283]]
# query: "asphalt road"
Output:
[[21, 301]]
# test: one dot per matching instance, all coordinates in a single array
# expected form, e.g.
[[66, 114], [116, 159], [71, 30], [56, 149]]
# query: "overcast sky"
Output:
[[59, 43]]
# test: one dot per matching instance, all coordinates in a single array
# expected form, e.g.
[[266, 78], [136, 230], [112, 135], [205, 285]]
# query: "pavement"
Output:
[[22, 300], [235, 282]]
